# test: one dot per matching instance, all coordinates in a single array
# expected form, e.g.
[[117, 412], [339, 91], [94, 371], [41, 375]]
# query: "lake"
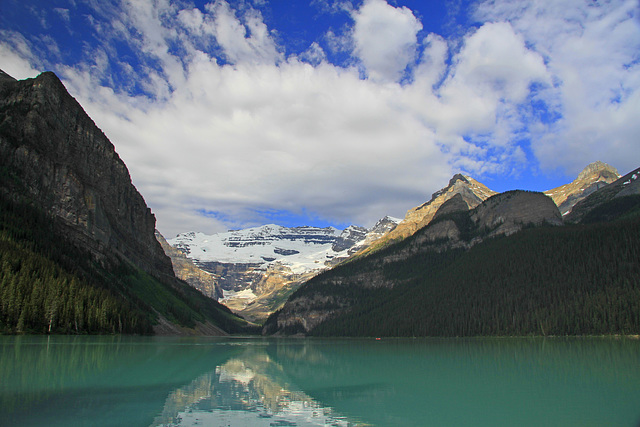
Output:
[[160, 381]]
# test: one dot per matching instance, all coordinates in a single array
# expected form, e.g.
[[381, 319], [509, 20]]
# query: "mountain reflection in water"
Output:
[[250, 389], [134, 381]]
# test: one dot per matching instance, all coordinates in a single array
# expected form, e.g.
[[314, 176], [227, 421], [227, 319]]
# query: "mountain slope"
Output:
[[623, 188], [593, 177], [450, 279], [69, 207], [67, 166], [335, 292], [545, 281], [470, 191]]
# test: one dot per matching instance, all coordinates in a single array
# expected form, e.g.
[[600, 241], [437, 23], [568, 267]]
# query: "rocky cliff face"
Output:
[[69, 168], [506, 213], [593, 177], [185, 269], [59, 167]]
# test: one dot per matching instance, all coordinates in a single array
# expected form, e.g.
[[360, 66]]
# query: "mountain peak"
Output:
[[459, 177], [593, 177], [598, 168], [469, 192]]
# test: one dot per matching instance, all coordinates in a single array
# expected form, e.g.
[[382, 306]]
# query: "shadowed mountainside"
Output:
[[78, 246]]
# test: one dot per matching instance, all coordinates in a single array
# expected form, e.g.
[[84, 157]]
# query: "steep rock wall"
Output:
[[62, 162]]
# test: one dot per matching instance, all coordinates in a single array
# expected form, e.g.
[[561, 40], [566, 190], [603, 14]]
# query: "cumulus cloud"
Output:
[[489, 79], [247, 41], [592, 52], [221, 128], [16, 58], [385, 39]]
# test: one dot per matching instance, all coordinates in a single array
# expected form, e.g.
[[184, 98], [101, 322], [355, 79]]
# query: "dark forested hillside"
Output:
[[571, 280], [49, 285], [78, 252]]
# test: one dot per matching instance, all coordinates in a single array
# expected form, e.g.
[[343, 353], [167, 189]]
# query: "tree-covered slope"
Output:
[[569, 280], [50, 285]]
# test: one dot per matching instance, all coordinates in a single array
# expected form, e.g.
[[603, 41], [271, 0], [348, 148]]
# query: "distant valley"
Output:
[[254, 271]]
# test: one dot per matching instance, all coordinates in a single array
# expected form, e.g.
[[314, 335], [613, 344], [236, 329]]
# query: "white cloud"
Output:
[[229, 127], [247, 41], [494, 62], [385, 39], [474, 105], [16, 58], [314, 55], [592, 51], [342, 42]]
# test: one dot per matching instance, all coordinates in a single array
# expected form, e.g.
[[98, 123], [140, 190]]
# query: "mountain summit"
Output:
[[593, 177], [468, 192]]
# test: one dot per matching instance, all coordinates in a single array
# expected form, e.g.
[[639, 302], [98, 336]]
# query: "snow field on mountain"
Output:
[[301, 249]]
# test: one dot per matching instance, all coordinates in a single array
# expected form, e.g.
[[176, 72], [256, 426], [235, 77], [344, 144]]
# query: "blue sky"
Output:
[[232, 114]]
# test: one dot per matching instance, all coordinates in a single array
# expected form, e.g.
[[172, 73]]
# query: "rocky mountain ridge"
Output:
[[468, 191], [425, 270], [252, 287], [626, 186], [593, 177]]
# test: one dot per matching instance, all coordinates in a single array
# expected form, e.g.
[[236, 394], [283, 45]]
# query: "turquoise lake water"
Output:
[[133, 381]]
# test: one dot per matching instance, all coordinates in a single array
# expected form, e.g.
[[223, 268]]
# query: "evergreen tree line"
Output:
[[49, 285], [37, 296], [570, 280]]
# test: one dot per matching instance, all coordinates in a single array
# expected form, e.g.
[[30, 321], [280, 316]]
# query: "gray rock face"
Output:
[[506, 213], [64, 164], [455, 204], [349, 238]]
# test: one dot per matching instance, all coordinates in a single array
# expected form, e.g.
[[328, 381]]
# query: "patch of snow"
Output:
[[633, 178], [246, 294]]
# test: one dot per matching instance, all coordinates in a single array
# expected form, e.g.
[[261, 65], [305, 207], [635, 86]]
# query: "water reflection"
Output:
[[132, 381], [250, 389]]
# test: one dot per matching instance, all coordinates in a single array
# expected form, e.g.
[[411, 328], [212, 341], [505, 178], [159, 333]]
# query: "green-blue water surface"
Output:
[[138, 381]]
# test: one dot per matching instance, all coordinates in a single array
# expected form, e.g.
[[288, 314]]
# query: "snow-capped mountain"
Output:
[[256, 268], [300, 248]]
